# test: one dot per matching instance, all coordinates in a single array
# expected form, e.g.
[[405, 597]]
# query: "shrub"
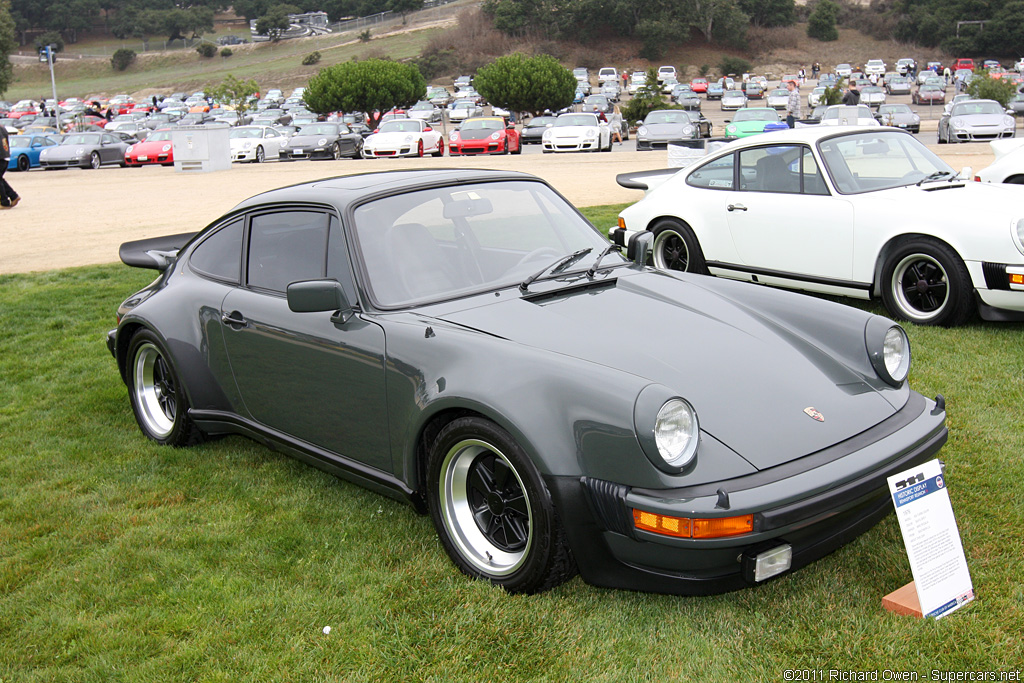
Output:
[[311, 59], [226, 52], [734, 65], [984, 87], [206, 50], [365, 36], [122, 59], [821, 25]]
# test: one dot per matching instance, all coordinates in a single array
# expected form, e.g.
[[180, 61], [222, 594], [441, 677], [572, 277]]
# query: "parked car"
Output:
[[699, 85], [899, 116], [597, 103], [460, 110], [931, 257], [873, 96], [751, 121], [928, 93], [687, 98], [1008, 166], [899, 85], [534, 129], [666, 72], [323, 140], [815, 97], [874, 66], [848, 115], [155, 149], [579, 132], [663, 126], [25, 151], [714, 91], [753, 90], [443, 338], [404, 138], [607, 73], [1016, 104], [426, 111], [777, 98], [484, 135], [976, 120], [844, 70], [733, 99], [906, 65], [84, 150], [255, 143]]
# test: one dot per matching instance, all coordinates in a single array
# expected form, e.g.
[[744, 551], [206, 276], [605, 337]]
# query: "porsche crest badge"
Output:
[[813, 412]]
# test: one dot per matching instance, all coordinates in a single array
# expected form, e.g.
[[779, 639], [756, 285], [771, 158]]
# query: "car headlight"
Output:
[[958, 123], [730, 129], [547, 135], [591, 133], [321, 142], [675, 433], [1008, 121], [165, 148], [889, 350], [247, 145], [642, 130], [410, 138], [453, 136], [687, 130], [1018, 235], [667, 428], [129, 150], [495, 135]]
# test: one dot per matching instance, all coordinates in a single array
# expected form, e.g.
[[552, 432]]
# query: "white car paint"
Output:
[[838, 238], [404, 138], [1009, 164], [577, 132], [246, 142]]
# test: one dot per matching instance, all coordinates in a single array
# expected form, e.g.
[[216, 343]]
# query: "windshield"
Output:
[[246, 133], [894, 109], [863, 112], [755, 115], [540, 122], [667, 117], [483, 124], [321, 129], [576, 120], [401, 126], [19, 141], [82, 139], [440, 243], [159, 136], [869, 161], [966, 108]]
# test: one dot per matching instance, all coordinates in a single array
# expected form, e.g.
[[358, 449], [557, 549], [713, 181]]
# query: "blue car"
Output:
[[25, 151]]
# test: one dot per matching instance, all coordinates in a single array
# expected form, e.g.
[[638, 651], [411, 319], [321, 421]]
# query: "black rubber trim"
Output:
[[831, 282], [911, 411], [995, 276], [608, 503]]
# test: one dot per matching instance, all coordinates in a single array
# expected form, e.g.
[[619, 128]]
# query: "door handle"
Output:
[[736, 207], [234, 319]]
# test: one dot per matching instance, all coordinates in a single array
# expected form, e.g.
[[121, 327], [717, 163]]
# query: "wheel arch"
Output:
[[894, 243], [1015, 179]]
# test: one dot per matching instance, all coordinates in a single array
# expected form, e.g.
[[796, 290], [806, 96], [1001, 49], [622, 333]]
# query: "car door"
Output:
[[302, 374], [784, 221], [109, 149], [272, 141]]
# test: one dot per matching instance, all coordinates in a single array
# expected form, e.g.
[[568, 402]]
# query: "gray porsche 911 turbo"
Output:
[[465, 341]]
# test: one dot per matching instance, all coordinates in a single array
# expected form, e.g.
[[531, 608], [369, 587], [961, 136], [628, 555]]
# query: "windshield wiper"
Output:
[[933, 176], [556, 267], [607, 250]]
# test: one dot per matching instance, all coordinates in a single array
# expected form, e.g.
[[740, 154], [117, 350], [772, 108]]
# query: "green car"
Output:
[[750, 121]]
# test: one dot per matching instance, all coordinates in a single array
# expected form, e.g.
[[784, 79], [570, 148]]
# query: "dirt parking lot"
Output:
[[81, 217]]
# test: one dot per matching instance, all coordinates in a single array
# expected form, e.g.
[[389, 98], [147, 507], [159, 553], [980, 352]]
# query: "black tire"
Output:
[[94, 160], [677, 248], [157, 395], [261, 156], [519, 147], [440, 149], [23, 163], [492, 511], [336, 151], [925, 281]]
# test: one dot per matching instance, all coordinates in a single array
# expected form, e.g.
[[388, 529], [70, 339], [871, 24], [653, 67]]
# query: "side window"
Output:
[[220, 255], [770, 169], [715, 175], [286, 246], [814, 183], [338, 265]]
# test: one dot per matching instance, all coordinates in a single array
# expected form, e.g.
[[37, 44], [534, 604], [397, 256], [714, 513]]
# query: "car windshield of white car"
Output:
[[865, 162], [667, 117], [576, 120], [400, 126], [442, 243], [969, 108]]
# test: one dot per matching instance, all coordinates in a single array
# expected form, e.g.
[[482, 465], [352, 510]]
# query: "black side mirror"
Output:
[[639, 247], [317, 296]]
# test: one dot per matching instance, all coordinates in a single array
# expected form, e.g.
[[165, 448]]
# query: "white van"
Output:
[[607, 73]]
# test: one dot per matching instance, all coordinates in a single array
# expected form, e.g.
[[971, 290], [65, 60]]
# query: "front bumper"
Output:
[[980, 133], [573, 145], [410, 150], [477, 147], [815, 504]]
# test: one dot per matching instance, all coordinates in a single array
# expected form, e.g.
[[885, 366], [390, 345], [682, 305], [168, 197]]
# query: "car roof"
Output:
[[341, 191]]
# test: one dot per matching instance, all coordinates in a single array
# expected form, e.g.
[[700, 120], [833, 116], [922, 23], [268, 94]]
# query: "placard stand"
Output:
[[904, 601]]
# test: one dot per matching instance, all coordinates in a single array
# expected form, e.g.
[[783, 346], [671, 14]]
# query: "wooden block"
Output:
[[904, 601]]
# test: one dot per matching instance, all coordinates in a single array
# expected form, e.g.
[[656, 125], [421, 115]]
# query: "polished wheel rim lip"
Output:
[[462, 515], [94, 161], [920, 286], [154, 390], [670, 252]]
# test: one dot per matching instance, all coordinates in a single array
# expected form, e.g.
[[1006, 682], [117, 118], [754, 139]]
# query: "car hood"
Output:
[[981, 119], [749, 379], [391, 138], [311, 140], [60, 152], [666, 129], [478, 133]]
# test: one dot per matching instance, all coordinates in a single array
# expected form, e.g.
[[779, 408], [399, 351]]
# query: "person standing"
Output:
[[616, 124], [792, 104], [852, 96], [8, 197]]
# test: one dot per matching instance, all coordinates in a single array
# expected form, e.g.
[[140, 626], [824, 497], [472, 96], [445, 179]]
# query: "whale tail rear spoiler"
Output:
[[155, 252], [645, 180]]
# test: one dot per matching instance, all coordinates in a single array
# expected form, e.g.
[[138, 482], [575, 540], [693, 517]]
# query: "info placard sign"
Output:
[[932, 539]]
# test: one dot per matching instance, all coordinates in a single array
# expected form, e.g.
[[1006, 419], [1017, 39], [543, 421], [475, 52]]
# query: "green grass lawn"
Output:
[[124, 561]]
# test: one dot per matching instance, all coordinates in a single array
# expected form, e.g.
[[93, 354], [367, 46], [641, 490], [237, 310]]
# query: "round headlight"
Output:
[[129, 150], [591, 132], [675, 432], [454, 135], [495, 135], [730, 128], [958, 123], [896, 353], [321, 142], [1018, 235], [642, 130], [165, 148], [1008, 121], [687, 130]]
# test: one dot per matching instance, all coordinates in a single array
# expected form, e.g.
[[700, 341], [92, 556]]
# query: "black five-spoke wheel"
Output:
[[926, 282]]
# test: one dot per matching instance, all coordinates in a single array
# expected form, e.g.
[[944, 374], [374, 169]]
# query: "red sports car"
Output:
[[699, 85], [155, 149], [484, 135]]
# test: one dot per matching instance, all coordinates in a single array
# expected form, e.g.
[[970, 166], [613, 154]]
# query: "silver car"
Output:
[[976, 120]]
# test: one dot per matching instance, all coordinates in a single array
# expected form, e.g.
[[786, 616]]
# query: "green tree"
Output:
[[520, 83], [984, 87], [734, 65], [647, 99], [273, 24], [768, 13], [834, 93], [821, 25], [122, 59], [403, 7], [50, 38], [8, 43], [238, 94], [373, 86]]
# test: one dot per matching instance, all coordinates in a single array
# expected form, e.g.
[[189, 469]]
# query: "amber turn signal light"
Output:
[[684, 527]]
